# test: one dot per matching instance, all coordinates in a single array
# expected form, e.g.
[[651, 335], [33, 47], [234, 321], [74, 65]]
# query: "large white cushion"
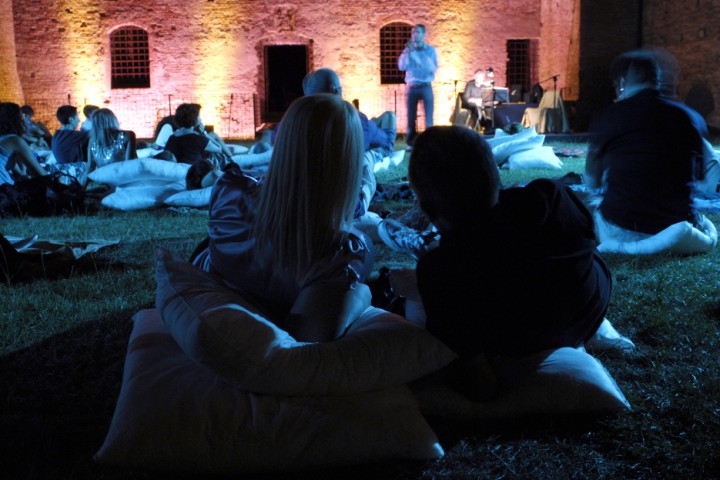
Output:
[[538, 157], [504, 146], [190, 198], [220, 330], [141, 171], [555, 382], [175, 415], [141, 197]]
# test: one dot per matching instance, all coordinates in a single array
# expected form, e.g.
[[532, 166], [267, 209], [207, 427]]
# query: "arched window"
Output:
[[393, 38], [129, 58]]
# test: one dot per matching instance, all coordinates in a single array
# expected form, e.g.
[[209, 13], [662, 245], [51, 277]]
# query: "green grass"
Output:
[[63, 341]]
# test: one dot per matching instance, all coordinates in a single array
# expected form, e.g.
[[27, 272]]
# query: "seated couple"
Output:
[[288, 244]]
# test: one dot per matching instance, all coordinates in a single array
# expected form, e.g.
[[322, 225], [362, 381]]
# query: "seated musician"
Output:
[[475, 98]]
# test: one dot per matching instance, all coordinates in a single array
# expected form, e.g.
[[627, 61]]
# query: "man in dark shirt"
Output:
[[68, 144], [516, 270], [646, 151]]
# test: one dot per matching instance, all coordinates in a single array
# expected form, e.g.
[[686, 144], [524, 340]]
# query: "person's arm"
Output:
[[404, 59], [24, 156], [130, 145], [322, 312], [594, 170]]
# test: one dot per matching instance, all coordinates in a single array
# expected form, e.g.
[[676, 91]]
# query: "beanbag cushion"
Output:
[[142, 196], [142, 171], [538, 157], [681, 238], [562, 381], [174, 414], [503, 146], [221, 331], [190, 198]]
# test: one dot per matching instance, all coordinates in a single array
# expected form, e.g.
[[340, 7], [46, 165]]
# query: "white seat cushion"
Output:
[[176, 415], [221, 331]]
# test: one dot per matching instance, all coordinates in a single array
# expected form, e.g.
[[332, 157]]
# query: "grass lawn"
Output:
[[63, 342]]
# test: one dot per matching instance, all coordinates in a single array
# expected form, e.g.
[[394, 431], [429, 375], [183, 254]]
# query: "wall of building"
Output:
[[690, 30], [10, 88], [211, 51]]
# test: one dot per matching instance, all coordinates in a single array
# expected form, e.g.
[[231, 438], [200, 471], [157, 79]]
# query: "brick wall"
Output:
[[216, 57], [690, 30], [10, 89]]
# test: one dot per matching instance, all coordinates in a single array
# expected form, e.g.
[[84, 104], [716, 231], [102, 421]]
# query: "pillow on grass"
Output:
[[538, 157], [142, 171], [221, 331], [190, 198], [175, 415], [141, 197], [554, 382], [504, 146]]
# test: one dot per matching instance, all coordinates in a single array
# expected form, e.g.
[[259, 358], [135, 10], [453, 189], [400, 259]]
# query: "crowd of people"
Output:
[[298, 241]]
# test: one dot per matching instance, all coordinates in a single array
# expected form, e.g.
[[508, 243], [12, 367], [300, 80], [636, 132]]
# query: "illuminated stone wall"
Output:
[[216, 57], [10, 89]]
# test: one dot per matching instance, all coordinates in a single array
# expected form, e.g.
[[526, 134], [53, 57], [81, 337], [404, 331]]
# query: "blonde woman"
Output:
[[287, 243], [108, 143]]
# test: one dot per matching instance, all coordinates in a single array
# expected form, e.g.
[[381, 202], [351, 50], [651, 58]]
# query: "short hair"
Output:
[[307, 201], [11, 121], [196, 173], [323, 80], [453, 171], [186, 114], [422, 27], [105, 128], [637, 66], [89, 109], [479, 70], [65, 113], [27, 110]]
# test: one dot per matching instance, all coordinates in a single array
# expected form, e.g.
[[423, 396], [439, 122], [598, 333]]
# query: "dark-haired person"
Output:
[[36, 133], [68, 144], [645, 155], [88, 111], [190, 143], [17, 161], [516, 271]]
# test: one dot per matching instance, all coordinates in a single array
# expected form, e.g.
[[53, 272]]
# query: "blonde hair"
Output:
[[105, 128], [306, 204]]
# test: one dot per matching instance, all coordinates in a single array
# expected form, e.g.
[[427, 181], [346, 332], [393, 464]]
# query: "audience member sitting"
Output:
[[108, 143], [474, 101], [88, 111], [68, 144], [37, 136], [378, 142], [645, 155], [287, 244], [516, 270], [17, 161], [190, 143], [163, 130]]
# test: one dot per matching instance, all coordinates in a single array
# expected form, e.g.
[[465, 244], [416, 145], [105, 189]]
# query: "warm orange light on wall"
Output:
[[218, 58], [85, 67]]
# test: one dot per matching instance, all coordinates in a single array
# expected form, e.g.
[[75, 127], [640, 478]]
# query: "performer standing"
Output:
[[419, 62]]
